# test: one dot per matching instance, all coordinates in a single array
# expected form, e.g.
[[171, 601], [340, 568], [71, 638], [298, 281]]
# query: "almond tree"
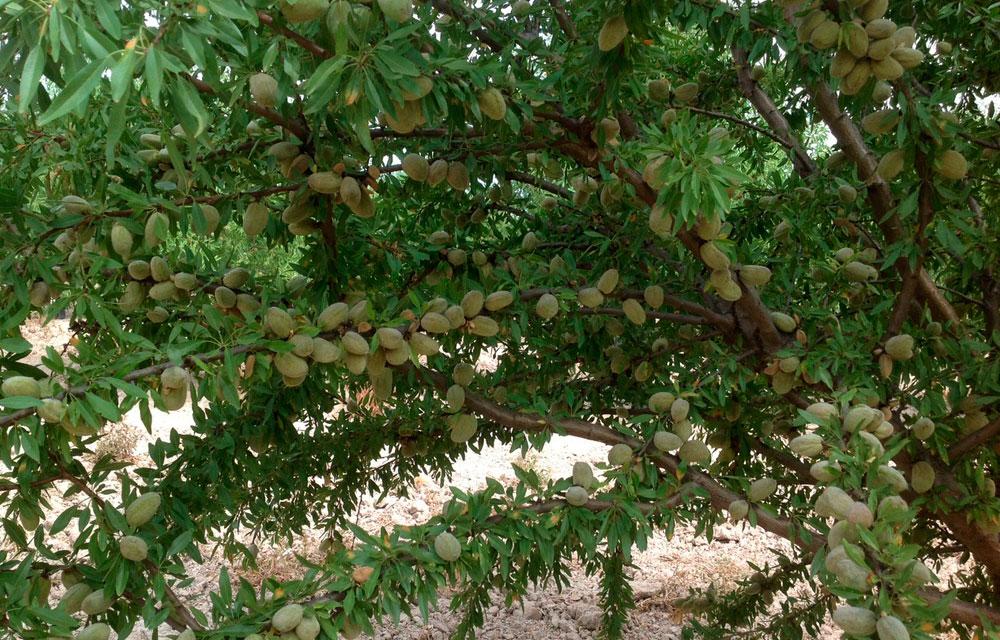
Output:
[[750, 247]]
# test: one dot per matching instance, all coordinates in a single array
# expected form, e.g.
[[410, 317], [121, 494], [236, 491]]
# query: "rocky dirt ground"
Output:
[[668, 568]]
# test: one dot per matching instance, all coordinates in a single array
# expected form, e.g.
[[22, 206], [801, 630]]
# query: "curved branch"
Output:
[[302, 41]]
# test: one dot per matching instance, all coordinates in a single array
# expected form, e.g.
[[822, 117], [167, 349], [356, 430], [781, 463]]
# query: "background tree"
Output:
[[751, 247]]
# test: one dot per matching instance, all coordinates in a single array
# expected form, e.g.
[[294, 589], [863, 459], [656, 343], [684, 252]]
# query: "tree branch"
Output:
[[973, 440], [302, 41], [768, 110], [565, 22], [296, 127]]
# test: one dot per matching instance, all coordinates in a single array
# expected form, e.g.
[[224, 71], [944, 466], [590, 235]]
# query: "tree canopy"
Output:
[[750, 246]]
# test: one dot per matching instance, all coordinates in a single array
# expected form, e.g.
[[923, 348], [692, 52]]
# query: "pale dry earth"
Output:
[[667, 569]]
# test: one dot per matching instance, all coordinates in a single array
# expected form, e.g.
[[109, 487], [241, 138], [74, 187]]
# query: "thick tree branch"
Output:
[[565, 22], [768, 110], [879, 195], [973, 441]]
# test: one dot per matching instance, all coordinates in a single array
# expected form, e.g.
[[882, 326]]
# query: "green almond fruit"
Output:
[[857, 77], [96, 631], [324, 351], [923, 428], [72, 600], [423, 344], [694, 452], [264, 89], [438, 172], [762, 489], [738, 510], [844, 61], [808, 445], [900, 347], [906, 57], [873, 10], [307, 629], [304, 10], [547, 306], [157, 227], [432, 322], [484, 326], [225, 297], [612, 33], [608, 281], [96, 603], [879, 122], [808, 24], [922, 477], [75, 205], [590, 297], [458, 176], [160, 269], [447, 547], [666, 441], [634, 311], [498, 300], [397, 10], [287, 618], [653, 295], [825, 470], [416, 167], [855, 39], [887, 69], [661, 402], [620, 455], [686, 92], [855, 621], [952, 165], [355, 343], [492, 103], [472, 303], [255, 218], [892, 164], [162, 291], [658, 90], [142, 509], [21, 386], [463, 427], [455, 397], [583, 475], [825, 35], [278, 322], [577, 496], [390, 338], [881, 48], [133, 548]]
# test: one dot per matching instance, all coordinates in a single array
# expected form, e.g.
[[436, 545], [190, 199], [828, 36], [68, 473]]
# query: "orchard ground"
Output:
[[667, 569]]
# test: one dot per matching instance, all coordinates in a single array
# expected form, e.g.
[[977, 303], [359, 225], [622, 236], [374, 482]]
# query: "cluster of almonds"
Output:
[[870, 45]]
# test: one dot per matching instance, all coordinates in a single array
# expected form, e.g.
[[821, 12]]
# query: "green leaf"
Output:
[[76, 91], [116, 126], [153, 75], [179, 543], [108, 18], [121, 74], [189, 109], [19, 402], [34, 62]]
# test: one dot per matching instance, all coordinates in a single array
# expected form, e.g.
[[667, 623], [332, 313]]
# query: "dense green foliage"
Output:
[[751, 247]]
